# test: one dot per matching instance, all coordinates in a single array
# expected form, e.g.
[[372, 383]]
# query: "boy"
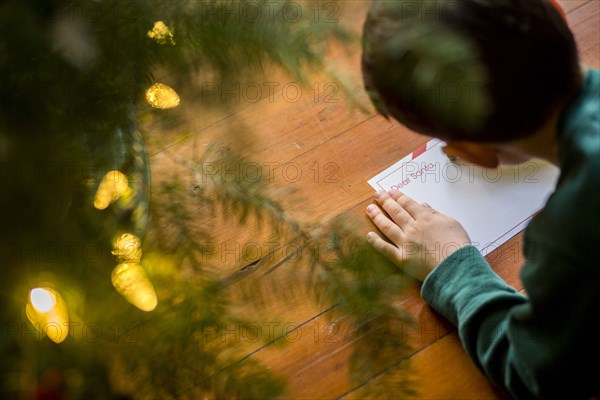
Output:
[[531, 98]]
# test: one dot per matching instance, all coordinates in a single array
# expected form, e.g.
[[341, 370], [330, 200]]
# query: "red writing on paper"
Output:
[[414, 175]]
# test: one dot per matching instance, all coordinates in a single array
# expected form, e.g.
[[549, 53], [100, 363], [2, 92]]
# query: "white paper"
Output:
[[493, 205]]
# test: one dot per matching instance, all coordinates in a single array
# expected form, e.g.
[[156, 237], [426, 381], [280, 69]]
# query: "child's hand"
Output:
[[415, 230]]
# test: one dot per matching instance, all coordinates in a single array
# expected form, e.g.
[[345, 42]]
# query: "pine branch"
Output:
[[71, 85], [344, 270]]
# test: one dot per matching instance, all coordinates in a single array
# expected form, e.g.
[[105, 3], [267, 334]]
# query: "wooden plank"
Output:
[[259, 95], [327, 178], [444, 371], [570, 5], [585, 24], [318, 368], [314, 357]]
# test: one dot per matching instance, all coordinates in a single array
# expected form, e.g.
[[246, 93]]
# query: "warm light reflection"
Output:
[[112, 186], [47, 312], [162, 96], [161, 33], [131, 281], [127, 248]]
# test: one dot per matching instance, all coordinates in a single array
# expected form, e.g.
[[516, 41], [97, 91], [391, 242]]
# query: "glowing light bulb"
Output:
[[42, 299], [47, 312], [112, 186], [127, 248], [161, 34], [162, 96], [131, 281]]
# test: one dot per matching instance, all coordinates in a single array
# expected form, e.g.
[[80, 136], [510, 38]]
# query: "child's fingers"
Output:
[[385, 225], [430, 209], [384, 248], [398, 214], [412, 207]]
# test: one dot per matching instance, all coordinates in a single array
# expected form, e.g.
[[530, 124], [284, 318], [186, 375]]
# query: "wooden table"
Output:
[[328, 150]]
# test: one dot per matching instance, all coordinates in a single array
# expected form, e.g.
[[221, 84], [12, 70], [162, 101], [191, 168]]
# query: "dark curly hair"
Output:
[[476, 70]]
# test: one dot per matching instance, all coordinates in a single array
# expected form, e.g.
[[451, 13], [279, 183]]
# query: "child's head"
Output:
[[482, 71]]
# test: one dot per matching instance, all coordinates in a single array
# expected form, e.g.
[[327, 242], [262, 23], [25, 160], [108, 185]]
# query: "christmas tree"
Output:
[[93, 306]]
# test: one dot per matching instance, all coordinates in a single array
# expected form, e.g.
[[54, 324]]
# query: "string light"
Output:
[[129, 278], [112, 186], [161, 34], [42, 300], [131, 281], [47, 312], [127, 248], [162, 96]]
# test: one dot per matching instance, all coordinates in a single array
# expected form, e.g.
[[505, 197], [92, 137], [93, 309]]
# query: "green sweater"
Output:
[[545, 344]]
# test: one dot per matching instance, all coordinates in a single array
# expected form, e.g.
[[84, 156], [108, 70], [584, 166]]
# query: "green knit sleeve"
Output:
[[531, 347]]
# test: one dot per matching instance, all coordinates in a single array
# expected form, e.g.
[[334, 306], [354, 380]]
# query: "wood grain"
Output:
[[570, 5], [336, 148]]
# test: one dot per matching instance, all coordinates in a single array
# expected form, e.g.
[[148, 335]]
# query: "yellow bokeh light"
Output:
[[47, 312], [131, 281], [127, 248], [161, 33], [112, 186], [162, 96], [42, 299]]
